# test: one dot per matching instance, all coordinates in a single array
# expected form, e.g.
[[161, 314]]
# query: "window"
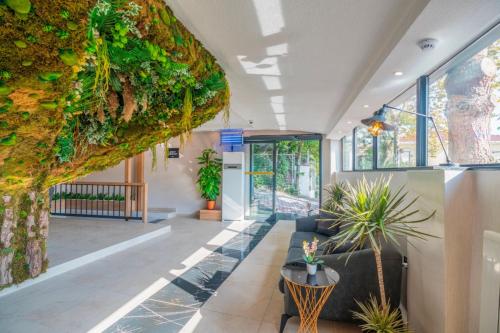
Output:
[[464, 100], [397, 149], [364, 149], [347, 153]]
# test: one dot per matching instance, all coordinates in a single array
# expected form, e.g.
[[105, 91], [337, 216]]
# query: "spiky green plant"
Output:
[[372, 213], [335, 196], [379, 319]]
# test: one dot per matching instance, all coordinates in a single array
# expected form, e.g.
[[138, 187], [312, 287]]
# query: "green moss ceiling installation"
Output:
[[83, 85]]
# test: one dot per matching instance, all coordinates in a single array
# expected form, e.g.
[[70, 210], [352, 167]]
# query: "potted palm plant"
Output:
[[372, 214], [209, 176]]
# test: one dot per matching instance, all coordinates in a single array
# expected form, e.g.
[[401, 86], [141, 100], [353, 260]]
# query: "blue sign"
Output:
[[231, 139]]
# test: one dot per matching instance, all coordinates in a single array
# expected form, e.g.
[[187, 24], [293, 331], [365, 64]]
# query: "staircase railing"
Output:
[[100, 199]]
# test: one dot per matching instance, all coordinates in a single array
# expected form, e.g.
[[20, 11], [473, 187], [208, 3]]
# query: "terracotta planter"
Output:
[[210, 204]]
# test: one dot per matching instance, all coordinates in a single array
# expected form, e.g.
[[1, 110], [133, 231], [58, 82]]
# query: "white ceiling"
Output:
[[309, 65]]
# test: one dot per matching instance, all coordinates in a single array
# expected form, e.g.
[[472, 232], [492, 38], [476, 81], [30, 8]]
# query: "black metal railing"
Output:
[[99, 199]]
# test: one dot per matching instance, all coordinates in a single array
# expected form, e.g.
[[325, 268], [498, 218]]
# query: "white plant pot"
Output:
[[312, 268]]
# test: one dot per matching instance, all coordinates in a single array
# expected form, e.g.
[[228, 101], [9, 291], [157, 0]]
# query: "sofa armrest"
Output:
[[307, 224]]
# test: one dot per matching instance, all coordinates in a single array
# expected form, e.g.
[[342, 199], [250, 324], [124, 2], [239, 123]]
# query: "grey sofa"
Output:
[[358, 275]]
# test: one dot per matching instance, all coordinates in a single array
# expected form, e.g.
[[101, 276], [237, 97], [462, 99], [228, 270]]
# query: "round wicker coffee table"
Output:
[[310, 293]]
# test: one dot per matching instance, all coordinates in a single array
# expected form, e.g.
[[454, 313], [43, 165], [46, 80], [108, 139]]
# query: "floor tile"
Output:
[[214, 322], [242, 300]]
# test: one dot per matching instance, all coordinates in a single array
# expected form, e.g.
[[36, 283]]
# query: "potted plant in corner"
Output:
[[209, 176], [372, 214]]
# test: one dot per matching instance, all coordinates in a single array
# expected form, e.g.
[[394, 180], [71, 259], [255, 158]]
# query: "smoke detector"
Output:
[[427, 44]]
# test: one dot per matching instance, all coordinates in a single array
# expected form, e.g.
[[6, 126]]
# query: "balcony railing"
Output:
[[100, 199]]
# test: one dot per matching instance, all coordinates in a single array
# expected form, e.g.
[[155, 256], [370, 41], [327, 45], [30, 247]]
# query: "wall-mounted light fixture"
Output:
[[377, 124]]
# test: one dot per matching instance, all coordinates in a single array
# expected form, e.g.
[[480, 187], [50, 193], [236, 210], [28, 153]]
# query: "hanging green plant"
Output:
[[95, 81]]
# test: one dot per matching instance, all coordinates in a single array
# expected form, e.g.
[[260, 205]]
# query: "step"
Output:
[[86, 259], [155, 214]]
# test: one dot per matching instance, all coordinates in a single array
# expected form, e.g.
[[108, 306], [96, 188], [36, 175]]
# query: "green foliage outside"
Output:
[[290, 155]]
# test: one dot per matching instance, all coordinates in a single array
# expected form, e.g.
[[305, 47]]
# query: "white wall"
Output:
[[172, 186]]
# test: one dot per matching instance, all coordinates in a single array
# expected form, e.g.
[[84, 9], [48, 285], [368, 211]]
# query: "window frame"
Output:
[[422, 85]]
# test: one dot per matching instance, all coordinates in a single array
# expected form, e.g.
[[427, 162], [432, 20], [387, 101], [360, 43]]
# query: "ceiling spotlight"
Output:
[[349, 122], [366, 106], [398, 73]]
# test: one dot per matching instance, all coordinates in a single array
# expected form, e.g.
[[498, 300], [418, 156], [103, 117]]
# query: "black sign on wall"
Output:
[[173, 152]]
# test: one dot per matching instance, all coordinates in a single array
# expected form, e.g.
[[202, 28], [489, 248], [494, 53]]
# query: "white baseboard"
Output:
[[86, 259]]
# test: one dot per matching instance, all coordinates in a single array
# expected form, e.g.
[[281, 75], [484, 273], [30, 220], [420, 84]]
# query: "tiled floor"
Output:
[[250, 300], [95, 297], [73, 237]]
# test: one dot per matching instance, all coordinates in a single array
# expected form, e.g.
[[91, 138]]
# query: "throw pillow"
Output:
[[331, 248], [326, 224]]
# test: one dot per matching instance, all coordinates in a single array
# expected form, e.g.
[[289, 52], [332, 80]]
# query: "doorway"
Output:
[[284, 175]]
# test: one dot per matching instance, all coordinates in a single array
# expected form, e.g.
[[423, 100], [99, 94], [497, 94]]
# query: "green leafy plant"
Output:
[[209, 175], [372, 213], [86, 196]]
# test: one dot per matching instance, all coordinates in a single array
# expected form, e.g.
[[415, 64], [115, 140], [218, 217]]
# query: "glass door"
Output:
[[261, 180], [283, 176], [297, 177]]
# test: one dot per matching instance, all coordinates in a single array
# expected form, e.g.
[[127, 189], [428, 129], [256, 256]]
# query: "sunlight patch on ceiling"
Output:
[[268, 66], [272, 82], [280, 119], [270, 16], [277, 50], [277, 99]]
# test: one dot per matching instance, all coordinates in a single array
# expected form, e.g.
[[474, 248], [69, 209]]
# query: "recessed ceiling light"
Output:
[[349, 122], [366, 106], [398, 73]]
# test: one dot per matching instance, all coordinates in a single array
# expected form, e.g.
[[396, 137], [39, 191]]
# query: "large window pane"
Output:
[[364, 149], [464, 101], [347, 153], [397, 149]]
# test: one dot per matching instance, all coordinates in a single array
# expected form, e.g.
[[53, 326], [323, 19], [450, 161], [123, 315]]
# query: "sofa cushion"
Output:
[[331, 248], [299, 236], [326, 224]]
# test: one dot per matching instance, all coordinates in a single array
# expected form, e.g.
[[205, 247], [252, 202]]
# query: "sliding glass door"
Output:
[[283, 175], [261, 179]]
